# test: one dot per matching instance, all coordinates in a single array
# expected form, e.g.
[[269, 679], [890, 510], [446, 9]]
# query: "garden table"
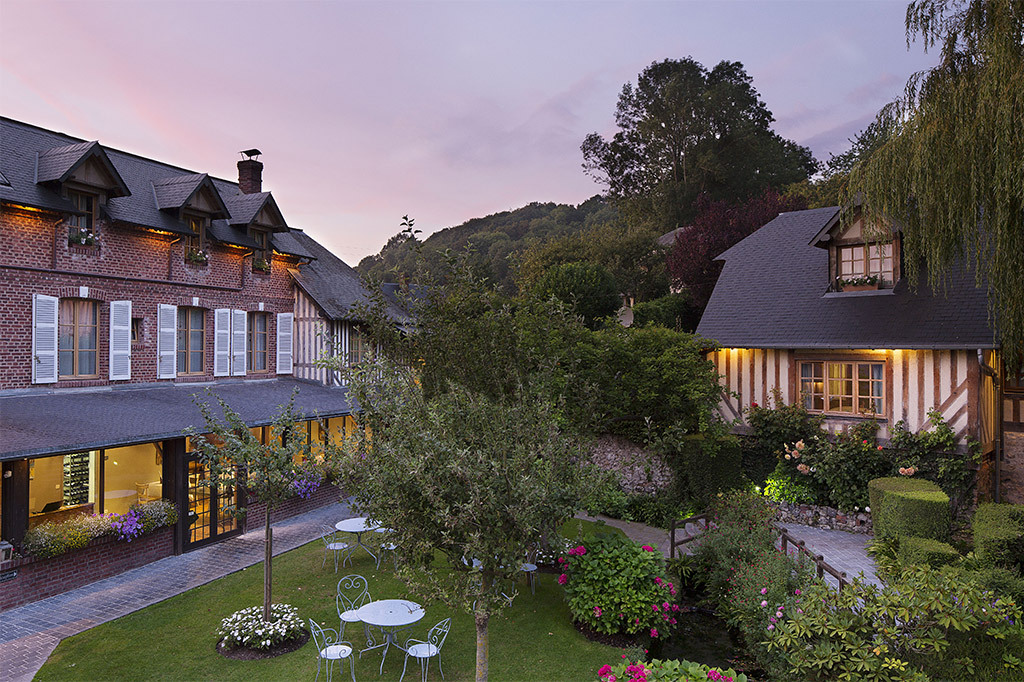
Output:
[[357, 526], [390, 615]]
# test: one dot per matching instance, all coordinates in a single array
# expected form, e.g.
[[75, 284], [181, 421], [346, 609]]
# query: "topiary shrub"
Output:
[[999, 535], [903, 507], [927, 552], [614, 585]]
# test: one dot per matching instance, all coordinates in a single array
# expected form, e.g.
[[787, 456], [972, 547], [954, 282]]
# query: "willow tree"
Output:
[[952, 171]]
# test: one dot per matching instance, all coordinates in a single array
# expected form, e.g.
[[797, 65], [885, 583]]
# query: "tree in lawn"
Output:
[[686, 131], [718, 226], [266, 473], [951, 174]]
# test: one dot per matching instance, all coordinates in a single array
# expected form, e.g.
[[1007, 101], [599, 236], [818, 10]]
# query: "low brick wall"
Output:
[[823, 517], [321, 497], [41, 578]]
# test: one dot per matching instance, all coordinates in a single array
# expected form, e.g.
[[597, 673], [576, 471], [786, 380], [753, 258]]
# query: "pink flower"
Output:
[[796, 592], [657, 581], [714, 675], [612, 678], [655, 607], [604, 671], [597, 612], [562, 560], [654, 632], [562, 579], [771, 627], [764, 603], [764, 590], [647, 548], [778, 614], [879, 447]]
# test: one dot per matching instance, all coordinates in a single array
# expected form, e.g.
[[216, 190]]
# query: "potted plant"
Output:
[[196, 256], [80, 237], [863, 283], [260, 264]]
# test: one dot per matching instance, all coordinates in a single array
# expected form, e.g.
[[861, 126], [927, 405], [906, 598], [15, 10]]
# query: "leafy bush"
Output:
[[50, 539], [773, 428], [653, 510], [613, 585], [999, 535], [602, 493], [1005, 582], [703, 464], [909, 507], [674, 311], [247, 629], [741, 530], [588, 287], [667, 671], [927, 552], [925, 622], [782, 486], [935, 455]]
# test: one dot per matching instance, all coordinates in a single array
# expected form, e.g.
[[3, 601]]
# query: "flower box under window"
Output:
[[196, 257], [865, 283]]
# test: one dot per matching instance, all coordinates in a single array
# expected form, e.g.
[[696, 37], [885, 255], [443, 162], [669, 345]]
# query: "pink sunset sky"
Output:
[[441, 110]]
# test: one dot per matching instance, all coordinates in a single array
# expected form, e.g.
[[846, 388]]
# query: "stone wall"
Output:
[[29, 579], [1012, 468], [823, 517], [639, 470]]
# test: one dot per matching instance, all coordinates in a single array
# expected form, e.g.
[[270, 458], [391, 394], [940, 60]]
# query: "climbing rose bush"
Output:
[[614, 585], [666, 671]]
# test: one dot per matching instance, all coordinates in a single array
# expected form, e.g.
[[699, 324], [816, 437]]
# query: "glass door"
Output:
[[210, 507]]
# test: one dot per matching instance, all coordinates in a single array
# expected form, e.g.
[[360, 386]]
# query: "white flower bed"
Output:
[[246, 628]]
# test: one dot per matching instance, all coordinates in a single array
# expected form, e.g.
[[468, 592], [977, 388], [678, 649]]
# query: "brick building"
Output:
[[128, 286]]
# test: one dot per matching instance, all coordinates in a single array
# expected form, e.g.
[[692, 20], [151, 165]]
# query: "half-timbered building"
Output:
[[819, 309]]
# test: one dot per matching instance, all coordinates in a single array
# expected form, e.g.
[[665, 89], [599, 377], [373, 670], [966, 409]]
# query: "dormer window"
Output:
[[82, 227], [261, 257], [867, 260], [195, 243]]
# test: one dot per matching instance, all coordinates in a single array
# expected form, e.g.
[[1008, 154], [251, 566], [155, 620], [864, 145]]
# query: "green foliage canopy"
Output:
[[586, 287], [951, 174]]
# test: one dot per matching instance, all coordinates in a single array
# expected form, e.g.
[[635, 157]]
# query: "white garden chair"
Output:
[[386, 547], [352, 593], [332, 544], [423, 651], [330, 649]]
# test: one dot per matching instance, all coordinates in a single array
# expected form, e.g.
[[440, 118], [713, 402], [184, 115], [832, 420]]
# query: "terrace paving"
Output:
[[29, 633]]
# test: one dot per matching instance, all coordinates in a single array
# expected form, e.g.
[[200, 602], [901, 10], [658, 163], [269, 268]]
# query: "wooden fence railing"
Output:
[[821, 567]]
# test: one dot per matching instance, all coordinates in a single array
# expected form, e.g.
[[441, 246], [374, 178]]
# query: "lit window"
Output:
[[864, 260], [87, 204], [843, 387], [191, 340], [195, 243], [256, 357], [76, 339]]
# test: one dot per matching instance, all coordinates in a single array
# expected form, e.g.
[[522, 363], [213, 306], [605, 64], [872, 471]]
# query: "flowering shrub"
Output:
[[666, 671], [197, 256], [307, 481], [51, 539], [614, 585], [82, 237], [246, 628], [924, 623]]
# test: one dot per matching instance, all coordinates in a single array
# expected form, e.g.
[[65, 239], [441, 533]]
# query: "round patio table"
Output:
[[390, 615], [358, 525]]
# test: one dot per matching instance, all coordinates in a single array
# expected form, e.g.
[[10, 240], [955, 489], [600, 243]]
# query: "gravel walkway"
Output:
[[28, 634]]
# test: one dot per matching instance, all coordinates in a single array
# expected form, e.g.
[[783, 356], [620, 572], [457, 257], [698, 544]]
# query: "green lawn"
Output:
[[175, 639]]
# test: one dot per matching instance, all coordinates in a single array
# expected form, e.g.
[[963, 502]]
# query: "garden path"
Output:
[[29, 633], [845, 551]]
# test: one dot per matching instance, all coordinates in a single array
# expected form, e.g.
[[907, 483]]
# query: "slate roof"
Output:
[[333, 284], [20, 142], [772, 294], [53, 163], [174, 191], [245, 207], [293, 245], [44, 422]]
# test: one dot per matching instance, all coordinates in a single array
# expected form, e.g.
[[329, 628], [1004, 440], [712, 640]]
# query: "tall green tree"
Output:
[[952, 172], [587, 287], [685, 130]]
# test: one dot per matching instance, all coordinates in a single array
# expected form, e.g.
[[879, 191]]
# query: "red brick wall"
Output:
[[321, 497], [41, 578], [129, 264]]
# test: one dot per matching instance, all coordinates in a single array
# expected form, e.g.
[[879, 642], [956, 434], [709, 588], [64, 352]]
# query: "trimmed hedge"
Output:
[[924, 551], [999, 535], [1003, 581], [902, 507], [705, 465]]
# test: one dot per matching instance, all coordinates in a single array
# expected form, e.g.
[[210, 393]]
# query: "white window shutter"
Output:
[[239, 339], [222, 342], [120, 340], [167, 341], [44, 339], [284, 342]]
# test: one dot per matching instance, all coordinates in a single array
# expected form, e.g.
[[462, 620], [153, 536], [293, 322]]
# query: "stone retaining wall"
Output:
[[823, 517], [29, 579], [639, 470]]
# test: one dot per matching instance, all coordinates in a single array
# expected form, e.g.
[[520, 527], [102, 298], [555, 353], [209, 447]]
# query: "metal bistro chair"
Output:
[[386, 547], [331, 649], [352, 593], [329, 535], [424, 651]]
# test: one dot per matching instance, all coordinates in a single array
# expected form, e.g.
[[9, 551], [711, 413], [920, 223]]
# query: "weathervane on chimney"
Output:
[[251, 154]]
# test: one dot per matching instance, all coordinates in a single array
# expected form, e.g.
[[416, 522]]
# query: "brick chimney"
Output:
[[250, 176]]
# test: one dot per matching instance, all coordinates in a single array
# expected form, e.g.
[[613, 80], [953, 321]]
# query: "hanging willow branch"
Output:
[[952, 171]]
